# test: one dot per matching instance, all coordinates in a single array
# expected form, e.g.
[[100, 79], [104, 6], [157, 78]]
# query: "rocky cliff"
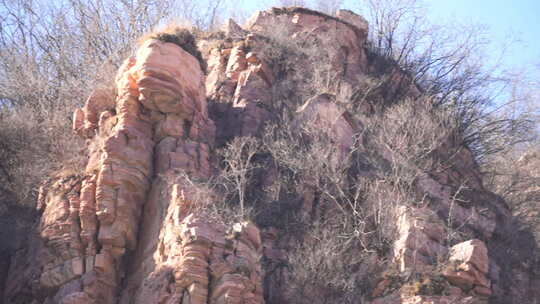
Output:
[[134, 226]]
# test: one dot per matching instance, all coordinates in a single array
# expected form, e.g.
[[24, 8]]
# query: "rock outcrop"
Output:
[[132, 227], [420, 239], [469, 267], [157, 122]]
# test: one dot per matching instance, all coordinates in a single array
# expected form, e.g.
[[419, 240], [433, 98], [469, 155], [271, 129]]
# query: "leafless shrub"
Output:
[[238, 166], [515, 175], [219, 197], [445, 61], [382, 199], [358, 197], [205, 15], [32, 146], [309, 155], [329, 266], [205, 197], [297, 78], [62, 57], [52, 55], [455, 232], [409, 134], [329, 7], [289, 3]]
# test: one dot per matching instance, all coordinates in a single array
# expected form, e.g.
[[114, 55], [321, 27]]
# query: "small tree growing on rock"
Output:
[[238, 166]]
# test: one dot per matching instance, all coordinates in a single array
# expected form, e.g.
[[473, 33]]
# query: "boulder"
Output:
[[469, 267]]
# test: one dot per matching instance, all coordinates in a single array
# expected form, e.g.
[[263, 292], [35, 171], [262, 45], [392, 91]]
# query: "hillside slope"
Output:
[[278, 162]]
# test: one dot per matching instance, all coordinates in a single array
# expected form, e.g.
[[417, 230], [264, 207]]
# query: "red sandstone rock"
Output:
[[237, 63], [88, 225], [396, 298], [129, 201], [232, 29], [85, 121], [201, 256], [300, 23], [469, 267], [439, 300], [381, 288], [420, 238], [323, 113], [354, 19], [472, 252]]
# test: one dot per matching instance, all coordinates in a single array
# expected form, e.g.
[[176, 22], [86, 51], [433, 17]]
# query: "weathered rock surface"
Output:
[[420, 240], [342, 38], [469, 267], [131, 227], [242, 80], [158, 122], [242, 83], [194, 261], [321, 112]]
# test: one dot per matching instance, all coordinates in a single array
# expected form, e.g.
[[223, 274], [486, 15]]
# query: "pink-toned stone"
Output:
[[216, 65], [398, 298], [482, 291], [226, 52], [89, 224], [99, 101], [77, 298], [252, 58], [206, 263], [237, 63], [354, 19], [78, 120], [419, 240], [85, 120], [468, 268], [168, 79], [460, 216], [87, 215], [299, 23], [265, 20], [321, 112], [438, 300], [473, 252], [251, 87], [232, 29], [131, 198], [172, 125]]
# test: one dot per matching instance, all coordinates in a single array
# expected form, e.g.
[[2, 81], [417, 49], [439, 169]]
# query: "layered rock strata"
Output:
[[157, 122], [132, 228], [243, 82]]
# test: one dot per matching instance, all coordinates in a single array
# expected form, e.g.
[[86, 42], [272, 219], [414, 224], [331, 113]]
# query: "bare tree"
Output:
[[238, 161], [52, 54], [205, 15], [446, 62], [328, 6]]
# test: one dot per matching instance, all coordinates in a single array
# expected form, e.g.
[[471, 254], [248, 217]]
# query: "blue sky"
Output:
[[514, 24], [505, 20]]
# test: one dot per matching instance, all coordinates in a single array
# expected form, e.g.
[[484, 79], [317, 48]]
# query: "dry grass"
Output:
[[33, 146]]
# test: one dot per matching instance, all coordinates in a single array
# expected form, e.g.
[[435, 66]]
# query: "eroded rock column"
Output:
[[155, 122]]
